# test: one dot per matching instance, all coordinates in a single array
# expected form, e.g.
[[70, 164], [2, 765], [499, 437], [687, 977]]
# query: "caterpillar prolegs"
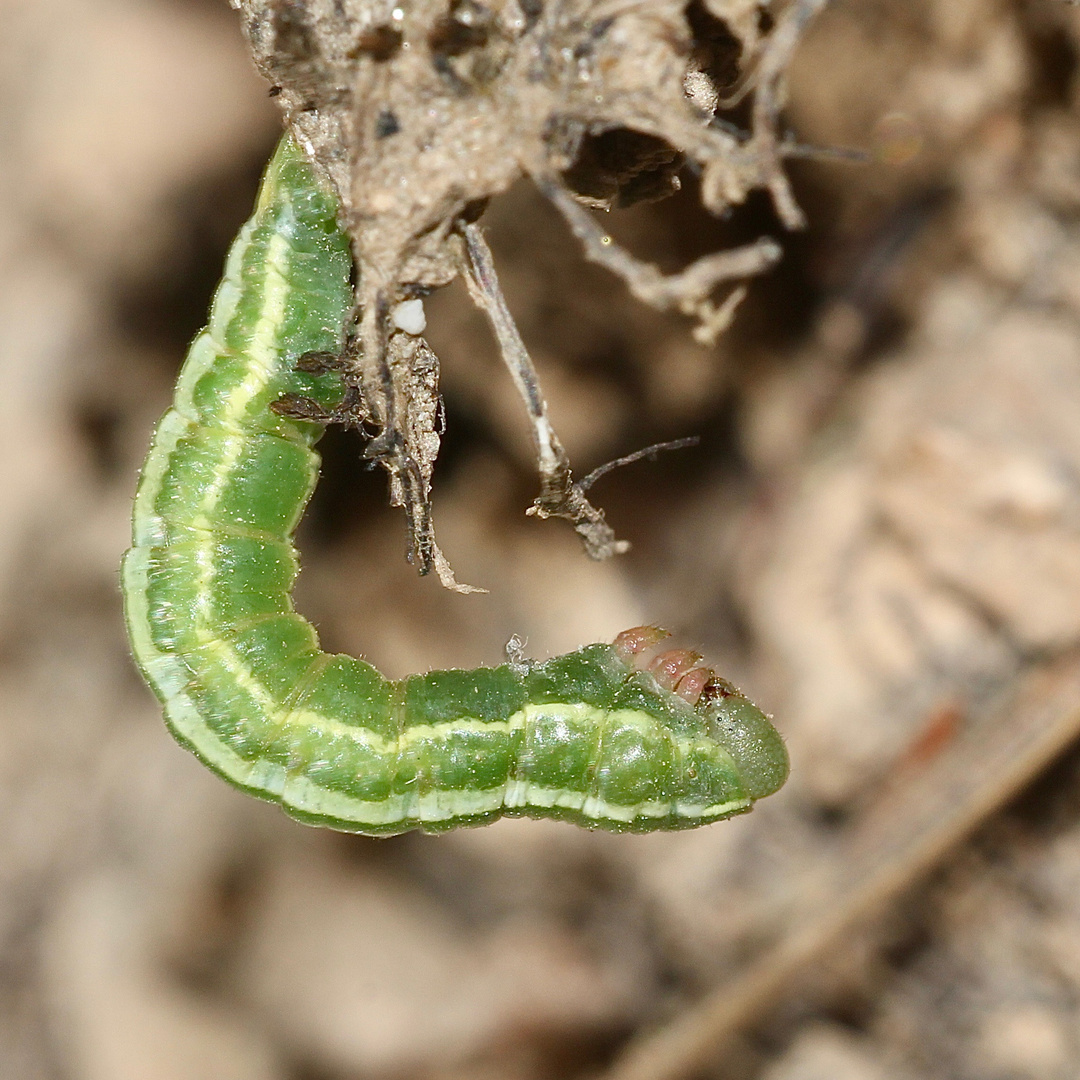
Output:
[[588, 737]]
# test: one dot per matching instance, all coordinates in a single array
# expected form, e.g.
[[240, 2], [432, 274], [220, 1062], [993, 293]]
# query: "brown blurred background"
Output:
[[878, 537]]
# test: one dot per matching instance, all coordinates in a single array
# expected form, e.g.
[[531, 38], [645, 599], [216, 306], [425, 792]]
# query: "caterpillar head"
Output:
[[730, 719], [747, 734]]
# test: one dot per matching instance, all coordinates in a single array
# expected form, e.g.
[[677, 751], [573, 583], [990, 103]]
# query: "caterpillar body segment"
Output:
[[586, 737]]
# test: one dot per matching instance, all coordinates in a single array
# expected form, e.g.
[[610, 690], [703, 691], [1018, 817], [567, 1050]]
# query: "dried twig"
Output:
[[648, 452], [687, 290], [559, 495], [414, 373], [769, 99]]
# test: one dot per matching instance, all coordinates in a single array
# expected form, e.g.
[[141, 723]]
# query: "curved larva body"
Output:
[[244, 684]]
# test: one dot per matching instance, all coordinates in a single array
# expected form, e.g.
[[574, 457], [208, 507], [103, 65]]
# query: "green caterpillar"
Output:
[[587, 737]]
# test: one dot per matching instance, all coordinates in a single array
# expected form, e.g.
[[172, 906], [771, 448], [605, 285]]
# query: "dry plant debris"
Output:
[[422, 110]]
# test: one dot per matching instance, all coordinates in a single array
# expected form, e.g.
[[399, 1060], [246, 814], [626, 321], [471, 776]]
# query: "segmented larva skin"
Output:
[[583, 737]]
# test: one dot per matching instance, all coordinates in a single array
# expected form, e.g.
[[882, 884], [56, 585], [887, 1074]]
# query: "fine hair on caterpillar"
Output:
[[610, 736]]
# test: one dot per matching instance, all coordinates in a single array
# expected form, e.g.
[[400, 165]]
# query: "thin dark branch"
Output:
[[789, 148], [649, 452]]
